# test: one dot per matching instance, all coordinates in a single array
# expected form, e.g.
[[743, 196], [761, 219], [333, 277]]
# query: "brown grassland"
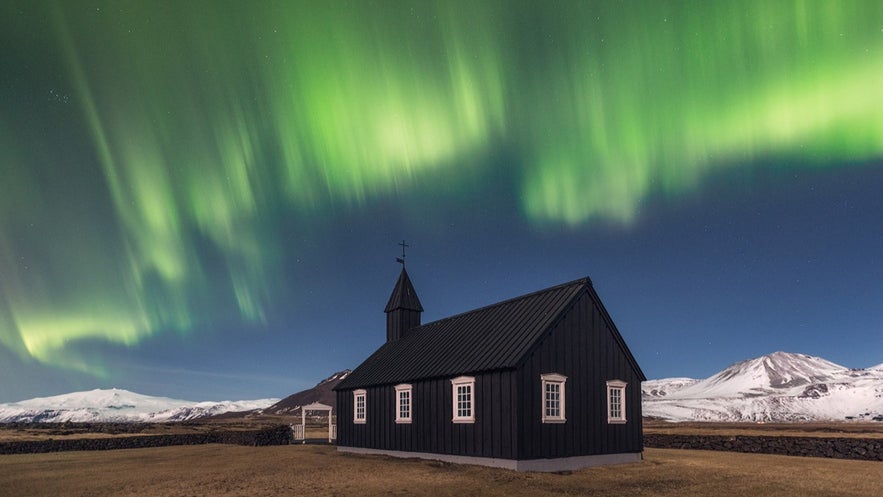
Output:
[[226, 470]]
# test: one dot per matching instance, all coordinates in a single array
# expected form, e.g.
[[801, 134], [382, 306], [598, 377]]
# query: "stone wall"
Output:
[[279, 435], [869, 449]]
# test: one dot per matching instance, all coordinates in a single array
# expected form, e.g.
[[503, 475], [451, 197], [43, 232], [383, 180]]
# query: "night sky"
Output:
[[203, 199]]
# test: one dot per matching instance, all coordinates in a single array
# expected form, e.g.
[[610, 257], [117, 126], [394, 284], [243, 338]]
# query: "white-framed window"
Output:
[[360, 406], [616, 401], [404, 398], [463, 389], [553, 397]]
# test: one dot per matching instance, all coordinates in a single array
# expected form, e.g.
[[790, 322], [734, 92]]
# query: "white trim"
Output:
[[363, 394], [557, 464], [616, 385], [560, 381], [317, 406], [404, 389], [456, 385]]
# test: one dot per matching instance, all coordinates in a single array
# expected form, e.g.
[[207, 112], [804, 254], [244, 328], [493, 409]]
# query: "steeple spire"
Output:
[[404, 308]]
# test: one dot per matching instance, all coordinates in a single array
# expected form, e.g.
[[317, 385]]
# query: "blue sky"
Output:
[[204, 201]]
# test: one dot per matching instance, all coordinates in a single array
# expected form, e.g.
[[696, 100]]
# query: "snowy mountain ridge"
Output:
[[117, 405], [780, 386], [776, 387]]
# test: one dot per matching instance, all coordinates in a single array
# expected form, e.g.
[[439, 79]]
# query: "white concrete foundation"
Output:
[[545, 465]]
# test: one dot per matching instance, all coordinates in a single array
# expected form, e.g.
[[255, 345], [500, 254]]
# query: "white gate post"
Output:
[[303, 423]]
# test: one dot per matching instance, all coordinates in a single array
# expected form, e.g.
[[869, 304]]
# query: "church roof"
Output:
[[403, 295], [486, 339]]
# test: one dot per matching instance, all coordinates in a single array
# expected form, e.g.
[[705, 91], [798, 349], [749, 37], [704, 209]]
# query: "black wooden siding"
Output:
[[582, 347], [492, 435], [399, 321]]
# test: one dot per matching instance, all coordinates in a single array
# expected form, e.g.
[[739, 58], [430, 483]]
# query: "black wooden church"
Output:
[[540, 382]]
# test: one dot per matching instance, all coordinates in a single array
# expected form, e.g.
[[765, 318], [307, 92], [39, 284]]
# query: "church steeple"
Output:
[[403, 309]]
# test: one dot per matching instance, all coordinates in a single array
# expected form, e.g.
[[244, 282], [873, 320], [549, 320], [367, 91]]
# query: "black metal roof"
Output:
[[490, 338], [403, 295]]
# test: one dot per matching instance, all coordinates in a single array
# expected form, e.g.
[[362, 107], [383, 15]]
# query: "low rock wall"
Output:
[[869, 449], [280, 435]]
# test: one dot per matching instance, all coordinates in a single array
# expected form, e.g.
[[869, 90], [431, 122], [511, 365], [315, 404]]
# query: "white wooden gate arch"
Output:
[[300, 431]]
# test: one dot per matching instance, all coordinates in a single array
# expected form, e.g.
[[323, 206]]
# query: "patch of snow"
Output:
[[665, 387]]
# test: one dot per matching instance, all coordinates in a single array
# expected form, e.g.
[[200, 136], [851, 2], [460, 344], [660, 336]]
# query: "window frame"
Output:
[[456, 383], [363, 394], [560, 381], [409, 390], [619, 386]]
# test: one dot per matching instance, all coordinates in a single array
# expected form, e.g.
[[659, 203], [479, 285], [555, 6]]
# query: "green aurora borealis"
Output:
[[136, 136]]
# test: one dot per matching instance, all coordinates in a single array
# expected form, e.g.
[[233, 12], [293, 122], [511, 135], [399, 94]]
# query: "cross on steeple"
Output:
[[401, 260]]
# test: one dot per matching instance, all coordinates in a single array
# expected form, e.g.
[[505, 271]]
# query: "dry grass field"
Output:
[[223, 470]]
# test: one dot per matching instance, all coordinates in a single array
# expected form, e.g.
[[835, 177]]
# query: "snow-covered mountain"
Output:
[[115, 405], [777, 387]]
